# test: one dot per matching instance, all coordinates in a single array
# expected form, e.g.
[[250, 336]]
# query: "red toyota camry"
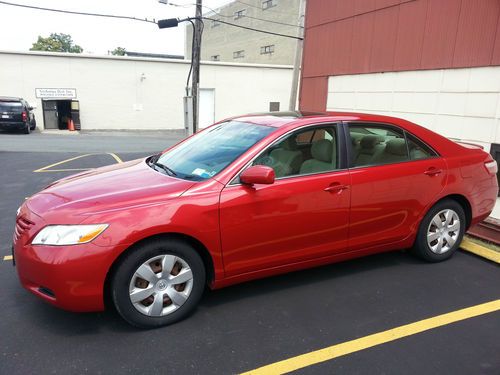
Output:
[[248, 197]]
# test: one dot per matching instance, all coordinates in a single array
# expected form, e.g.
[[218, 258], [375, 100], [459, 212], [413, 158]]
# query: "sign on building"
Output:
[[55, 93]]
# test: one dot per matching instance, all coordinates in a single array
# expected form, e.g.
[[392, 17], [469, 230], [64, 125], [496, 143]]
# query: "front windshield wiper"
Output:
[[169, 171]]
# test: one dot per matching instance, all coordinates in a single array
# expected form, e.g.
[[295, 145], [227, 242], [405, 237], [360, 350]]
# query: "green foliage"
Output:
[[119, 51], [56, 43]]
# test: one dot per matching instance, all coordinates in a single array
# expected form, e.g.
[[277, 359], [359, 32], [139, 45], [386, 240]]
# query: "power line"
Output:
[[78, 13], [258, 7], [138, 19], [227, 16], [251, 28]]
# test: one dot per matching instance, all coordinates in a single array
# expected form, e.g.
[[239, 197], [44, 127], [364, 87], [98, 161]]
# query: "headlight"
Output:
[[68, 234]]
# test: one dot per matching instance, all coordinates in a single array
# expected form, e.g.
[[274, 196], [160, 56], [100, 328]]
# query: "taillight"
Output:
[[491, 167], [25, 116]]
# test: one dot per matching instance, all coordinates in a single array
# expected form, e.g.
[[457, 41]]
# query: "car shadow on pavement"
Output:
[[79, 324], [327, 273]]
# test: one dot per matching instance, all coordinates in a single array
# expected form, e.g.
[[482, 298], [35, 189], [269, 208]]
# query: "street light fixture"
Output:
[[191, 100], [190, 111]]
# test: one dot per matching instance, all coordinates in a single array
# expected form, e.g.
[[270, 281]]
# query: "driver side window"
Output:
[[303, 152]]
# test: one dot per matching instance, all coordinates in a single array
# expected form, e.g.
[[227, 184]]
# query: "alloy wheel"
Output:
[[443, 231], [161, 285]]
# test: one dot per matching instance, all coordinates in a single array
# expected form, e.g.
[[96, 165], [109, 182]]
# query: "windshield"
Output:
[[209, 152]]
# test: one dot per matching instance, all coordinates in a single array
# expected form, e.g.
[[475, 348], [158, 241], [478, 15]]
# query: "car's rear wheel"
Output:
[[441, 231], [158, 283], [27, 128]]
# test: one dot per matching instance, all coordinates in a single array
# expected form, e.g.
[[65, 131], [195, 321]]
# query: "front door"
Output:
[[50, 114], [302, 216]]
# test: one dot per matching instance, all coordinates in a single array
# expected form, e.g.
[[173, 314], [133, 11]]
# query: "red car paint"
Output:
[[246, 232]]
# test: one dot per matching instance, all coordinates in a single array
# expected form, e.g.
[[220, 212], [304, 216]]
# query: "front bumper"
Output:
[[69, 277]]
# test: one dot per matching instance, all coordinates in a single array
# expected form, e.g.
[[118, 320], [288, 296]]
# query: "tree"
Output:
[[119, 51], [56, 43]]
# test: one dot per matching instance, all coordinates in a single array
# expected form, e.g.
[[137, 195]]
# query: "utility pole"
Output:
[[298, 57], [196, 56]]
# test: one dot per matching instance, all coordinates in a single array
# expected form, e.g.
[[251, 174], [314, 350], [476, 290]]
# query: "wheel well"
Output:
[[200, 248], [462, 201]]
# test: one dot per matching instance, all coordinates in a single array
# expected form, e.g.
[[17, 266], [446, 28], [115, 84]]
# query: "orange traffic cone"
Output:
[[71, 126]]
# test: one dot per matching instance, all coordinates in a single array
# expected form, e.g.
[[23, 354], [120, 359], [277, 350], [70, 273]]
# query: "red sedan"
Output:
[[247, 198]]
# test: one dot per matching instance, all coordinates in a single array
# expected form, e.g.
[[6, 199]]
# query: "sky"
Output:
[[20, 27]]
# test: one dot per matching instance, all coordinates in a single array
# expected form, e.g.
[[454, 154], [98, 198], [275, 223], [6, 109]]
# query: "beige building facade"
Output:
[[114, 92], [222, 42]]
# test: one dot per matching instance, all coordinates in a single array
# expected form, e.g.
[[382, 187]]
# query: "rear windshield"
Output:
[[10, 107]]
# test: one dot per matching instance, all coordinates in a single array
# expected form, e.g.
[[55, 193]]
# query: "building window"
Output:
[[215, 23], [215, 57], [266, 4], [238, 54], [265, 50], [240, 14]]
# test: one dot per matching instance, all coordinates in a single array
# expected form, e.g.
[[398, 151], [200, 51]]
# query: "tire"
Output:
[[440, 232], [33, 124], [165, 301], [27, 129]]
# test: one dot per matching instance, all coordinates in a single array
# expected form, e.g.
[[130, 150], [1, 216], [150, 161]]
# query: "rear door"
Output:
[[11, 111], [394, 178]]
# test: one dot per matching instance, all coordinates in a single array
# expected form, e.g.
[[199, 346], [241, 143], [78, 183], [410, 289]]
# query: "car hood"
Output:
[[114, 187]]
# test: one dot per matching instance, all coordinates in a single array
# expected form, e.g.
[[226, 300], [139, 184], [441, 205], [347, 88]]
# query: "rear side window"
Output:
[[418, 149], [11, 107], [377, 145]]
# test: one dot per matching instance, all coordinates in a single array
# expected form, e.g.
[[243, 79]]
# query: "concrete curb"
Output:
[[481, 251]]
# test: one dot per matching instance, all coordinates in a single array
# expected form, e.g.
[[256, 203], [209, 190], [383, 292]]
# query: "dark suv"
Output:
[[16, 114]]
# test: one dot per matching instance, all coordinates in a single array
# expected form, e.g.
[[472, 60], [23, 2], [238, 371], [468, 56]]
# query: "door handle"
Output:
[[336, 188], [433, 172]]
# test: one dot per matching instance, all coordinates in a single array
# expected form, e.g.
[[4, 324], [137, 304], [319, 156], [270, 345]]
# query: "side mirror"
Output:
[[31, 108], [258, 174]]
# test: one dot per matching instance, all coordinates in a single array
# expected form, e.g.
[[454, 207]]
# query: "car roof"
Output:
[[278, 119], [10, 99]]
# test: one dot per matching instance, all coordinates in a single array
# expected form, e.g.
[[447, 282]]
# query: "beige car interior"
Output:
[[315, 151], [287, 159]]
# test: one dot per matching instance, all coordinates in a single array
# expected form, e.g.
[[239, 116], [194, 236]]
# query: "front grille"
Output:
[[22, 225]]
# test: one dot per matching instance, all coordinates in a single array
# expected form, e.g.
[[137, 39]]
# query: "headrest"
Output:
[[356, 138], [396, 146], [289, 144], [322, 150], [369, 141]]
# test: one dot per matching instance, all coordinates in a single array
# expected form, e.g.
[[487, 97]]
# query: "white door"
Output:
[[207, 107]]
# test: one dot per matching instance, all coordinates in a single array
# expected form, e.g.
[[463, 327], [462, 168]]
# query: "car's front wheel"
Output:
[[441, 231], [158, 283]]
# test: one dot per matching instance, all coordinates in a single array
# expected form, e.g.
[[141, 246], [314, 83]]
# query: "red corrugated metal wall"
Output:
[[366, 36]]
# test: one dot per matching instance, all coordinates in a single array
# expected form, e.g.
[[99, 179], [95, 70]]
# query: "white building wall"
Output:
[[458, 103], [140, 93]]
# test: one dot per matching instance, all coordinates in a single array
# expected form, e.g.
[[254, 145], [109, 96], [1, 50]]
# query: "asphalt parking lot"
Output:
[[247, 326]]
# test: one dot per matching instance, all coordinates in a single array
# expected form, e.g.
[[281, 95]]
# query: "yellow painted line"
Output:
[[481, 251], [331, 352], [48, 168], [61, 162], [7, 257], [116, 157]]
